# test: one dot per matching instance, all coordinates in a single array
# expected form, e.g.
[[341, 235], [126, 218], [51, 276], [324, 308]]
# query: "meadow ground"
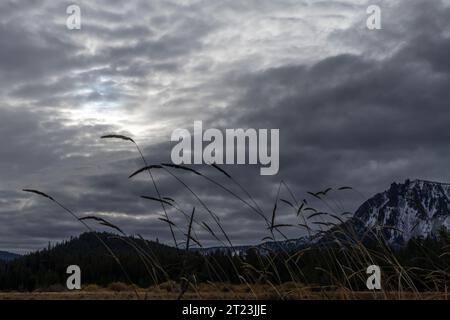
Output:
[[169, 291]]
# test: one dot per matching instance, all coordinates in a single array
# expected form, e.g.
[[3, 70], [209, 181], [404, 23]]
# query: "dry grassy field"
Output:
[[217, 291]]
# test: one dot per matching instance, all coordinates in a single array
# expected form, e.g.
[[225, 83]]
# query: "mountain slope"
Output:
[[409, 210], [8, 256]]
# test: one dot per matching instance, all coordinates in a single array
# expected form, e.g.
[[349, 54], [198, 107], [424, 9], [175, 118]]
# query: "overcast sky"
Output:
[[354, 107]]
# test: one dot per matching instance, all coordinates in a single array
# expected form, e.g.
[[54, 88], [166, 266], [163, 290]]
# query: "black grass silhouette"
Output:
[[335, 259]]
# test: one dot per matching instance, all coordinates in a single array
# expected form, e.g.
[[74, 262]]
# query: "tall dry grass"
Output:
[[341, 256]]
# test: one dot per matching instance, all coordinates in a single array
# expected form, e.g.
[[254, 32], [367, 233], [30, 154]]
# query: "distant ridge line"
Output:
[[429, 181]]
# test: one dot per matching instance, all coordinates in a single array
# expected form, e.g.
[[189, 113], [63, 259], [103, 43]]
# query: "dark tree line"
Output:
[[330, 266]]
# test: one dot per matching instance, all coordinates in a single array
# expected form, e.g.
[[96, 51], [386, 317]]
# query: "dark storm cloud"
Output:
[[358, 120], [365, 116], [44, 63]]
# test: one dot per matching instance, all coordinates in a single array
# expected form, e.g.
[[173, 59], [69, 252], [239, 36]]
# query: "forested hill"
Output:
[[48, 266], [7, 256]]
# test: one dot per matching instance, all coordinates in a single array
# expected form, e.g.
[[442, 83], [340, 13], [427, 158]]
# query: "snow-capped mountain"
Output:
[[413, 209], [409, 210]]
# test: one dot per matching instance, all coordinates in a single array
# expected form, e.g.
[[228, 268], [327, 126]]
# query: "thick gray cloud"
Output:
[[355, 107]]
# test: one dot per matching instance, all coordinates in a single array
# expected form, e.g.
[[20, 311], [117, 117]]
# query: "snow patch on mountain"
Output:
[[414, 209]]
